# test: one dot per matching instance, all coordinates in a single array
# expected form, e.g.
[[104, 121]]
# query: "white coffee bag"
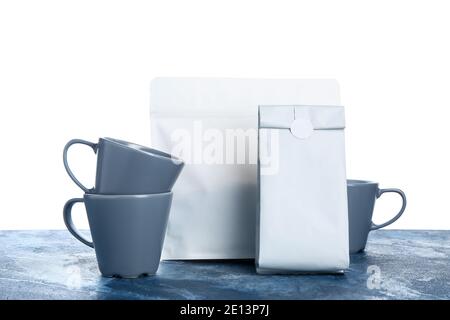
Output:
[[212, 124], [302, 224]]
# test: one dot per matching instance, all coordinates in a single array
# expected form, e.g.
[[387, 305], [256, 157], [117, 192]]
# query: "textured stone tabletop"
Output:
[[396, 265]]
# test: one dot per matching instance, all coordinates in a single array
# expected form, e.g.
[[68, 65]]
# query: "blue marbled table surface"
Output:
[[397, 264]]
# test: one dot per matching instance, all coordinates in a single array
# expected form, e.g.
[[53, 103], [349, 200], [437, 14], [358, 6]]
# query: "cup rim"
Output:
[[127, 196], [144, 150], [358, 182]]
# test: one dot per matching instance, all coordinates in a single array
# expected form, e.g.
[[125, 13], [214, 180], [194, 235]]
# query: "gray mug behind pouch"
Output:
[[361, 202]]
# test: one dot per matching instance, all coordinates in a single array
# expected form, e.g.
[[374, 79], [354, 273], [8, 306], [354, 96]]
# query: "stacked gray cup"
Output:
[[128, 208]]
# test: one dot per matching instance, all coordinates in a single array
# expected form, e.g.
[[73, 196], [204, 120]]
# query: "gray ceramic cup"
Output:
[[127, 231], [361, 202], [127, 168]]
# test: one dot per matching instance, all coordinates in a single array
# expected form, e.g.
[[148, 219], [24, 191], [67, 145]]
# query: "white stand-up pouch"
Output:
[[212, 124], [302, 225]]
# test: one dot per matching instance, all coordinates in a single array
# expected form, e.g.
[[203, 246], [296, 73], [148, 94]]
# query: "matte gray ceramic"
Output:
[[127, 231], [361, 202], [128, 168]]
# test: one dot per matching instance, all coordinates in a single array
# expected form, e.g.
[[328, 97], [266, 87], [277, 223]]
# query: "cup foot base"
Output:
[[127, 276]]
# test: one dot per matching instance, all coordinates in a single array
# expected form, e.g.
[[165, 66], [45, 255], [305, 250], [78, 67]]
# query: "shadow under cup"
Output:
[[127, 231], [361, 202]]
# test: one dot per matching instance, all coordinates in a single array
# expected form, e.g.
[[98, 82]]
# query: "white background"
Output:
[[82, 69]]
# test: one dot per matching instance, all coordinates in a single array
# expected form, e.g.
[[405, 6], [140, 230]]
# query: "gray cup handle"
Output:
[[66, 164], [67, 214], [402, 194]]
